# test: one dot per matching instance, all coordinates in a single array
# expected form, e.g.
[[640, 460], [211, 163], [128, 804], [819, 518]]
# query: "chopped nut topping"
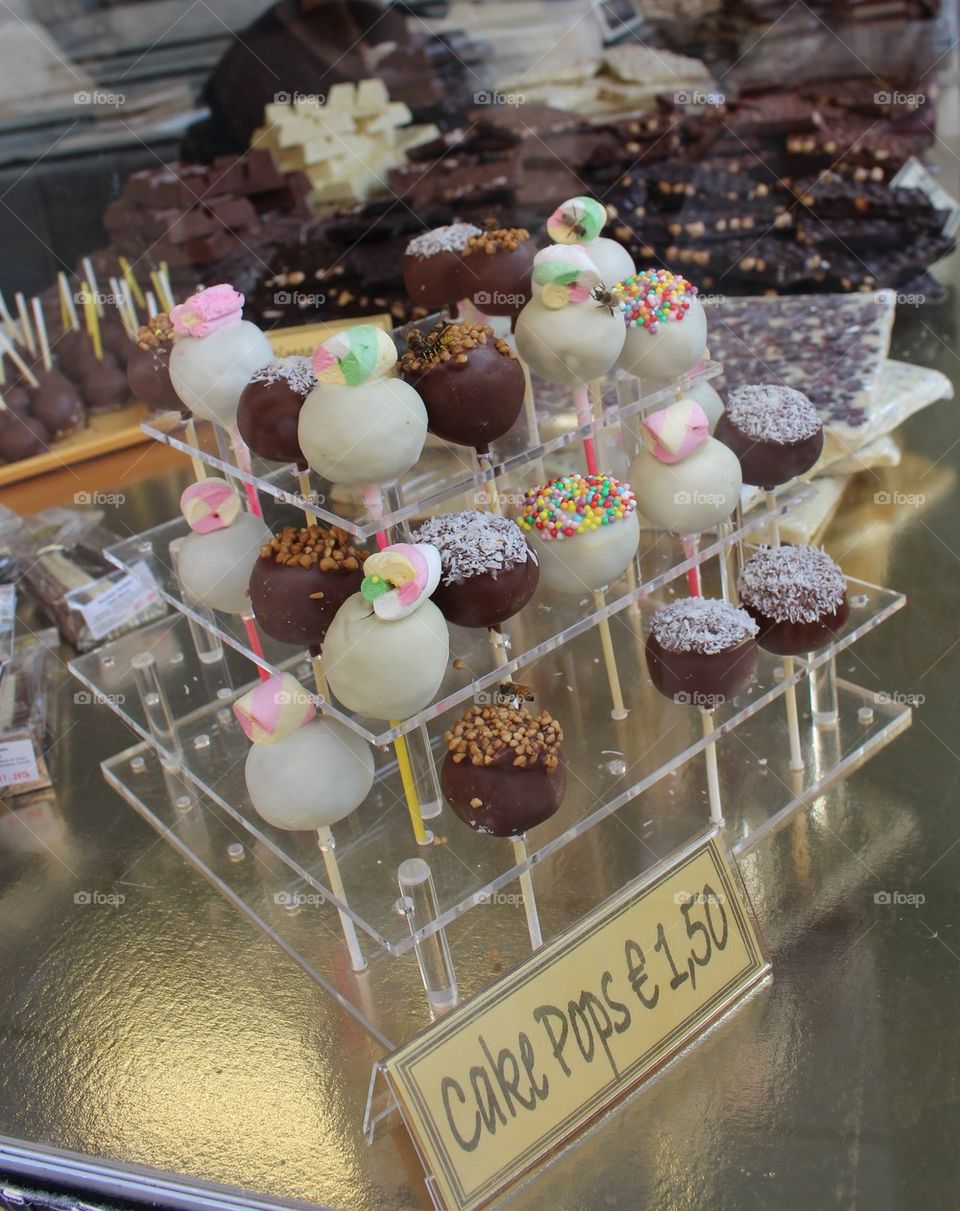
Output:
[[331, 549], [505, 734]]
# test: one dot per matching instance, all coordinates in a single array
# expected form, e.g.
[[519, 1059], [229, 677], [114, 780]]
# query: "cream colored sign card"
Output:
[[302, 341], [493, 1086]]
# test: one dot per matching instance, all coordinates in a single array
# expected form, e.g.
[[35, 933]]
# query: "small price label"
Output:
[[129, 594], [18, 763], [502, 1080]]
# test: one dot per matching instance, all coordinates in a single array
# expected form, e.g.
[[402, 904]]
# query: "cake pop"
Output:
[[470, 381], [103, 384], [774, 431], [269, 408], [215, 353], [357, 426], [22, 437], [489, 572], [687, 481], [312, 778], [503, 772], [386, 650], [699, 389], [498, 264], [566, 333], [274, 709], [580, 221], [701, 651], [148, 366], [56, 403], [214, 562], [301, 579], [797, 595], [666, 324], [584, 530], [433, 272]]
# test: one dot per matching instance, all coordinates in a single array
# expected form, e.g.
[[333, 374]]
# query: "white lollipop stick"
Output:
[[68, 301], [41, 327], [91, 280], [790, 695], [152, 309], [13, 328], [25, 329], [619, 711], [526, 887], [11, 351], [713, 776], [327, 843]]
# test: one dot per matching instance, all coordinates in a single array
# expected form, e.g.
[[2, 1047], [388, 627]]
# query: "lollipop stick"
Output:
[[13, 354], [152, 308], [167, 288], [498, 642], [10, 324], [190, 429], [487, 488], [691, 550], [728, 577], [253, 638], [609, 659], [91, 318], [423, 837], [327, 844], [373, 499], [242, 455], [526, 887], [319, 677], [303, 482], [581, 403], [132, 283], [790, 695], [68, 302], [25, 328], [92, 279], [713, 776], [42, 338]]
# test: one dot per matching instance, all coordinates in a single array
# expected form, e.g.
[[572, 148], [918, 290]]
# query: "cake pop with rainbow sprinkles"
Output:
[[666, 324]]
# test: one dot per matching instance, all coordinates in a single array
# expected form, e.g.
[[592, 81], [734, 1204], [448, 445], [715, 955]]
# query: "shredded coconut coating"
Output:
[[770, 412], [701, 624], [792, 584], [471, 544], [298, 371]]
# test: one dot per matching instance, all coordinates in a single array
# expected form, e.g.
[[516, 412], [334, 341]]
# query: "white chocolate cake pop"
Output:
[[686, 481], [274, 709], [215, 354], [580, 221], [215, 561], [311, 778], [387, 648], [666, 324], [584, 530], [701, 389], [564, 333], [358, 426]]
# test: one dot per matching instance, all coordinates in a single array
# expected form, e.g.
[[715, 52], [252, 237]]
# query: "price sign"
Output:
[[18, 763], [492, 1087]]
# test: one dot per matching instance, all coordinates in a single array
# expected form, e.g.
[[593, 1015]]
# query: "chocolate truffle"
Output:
[[148, 367], [701, 651], [499, 266], [433, 272], [56, 403], [22, 437], [796, 595], [489, 572], [471, 382], [301, 579], [774, 431], [269, 410], [504, 772]]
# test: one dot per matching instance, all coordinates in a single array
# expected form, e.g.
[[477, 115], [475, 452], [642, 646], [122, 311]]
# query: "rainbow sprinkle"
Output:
[[652, 297], [576, 504]]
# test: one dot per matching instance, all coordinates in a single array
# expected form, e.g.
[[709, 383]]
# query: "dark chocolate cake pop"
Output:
[[104, 384], [16, 397], [269, 408], [70, 349], [56, 403], [148, 367], [471, 382], [773, 430], [499, 266], [797, 595], [701, 651], [504, 772], [115, 338], [432, 269], [489, 572], [301, 579], [22, 437]]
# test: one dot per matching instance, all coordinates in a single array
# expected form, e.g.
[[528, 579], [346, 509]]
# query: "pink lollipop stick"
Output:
[[581, 402], [691, 550]]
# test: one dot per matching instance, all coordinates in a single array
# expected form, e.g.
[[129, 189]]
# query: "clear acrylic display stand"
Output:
[[433, 924]]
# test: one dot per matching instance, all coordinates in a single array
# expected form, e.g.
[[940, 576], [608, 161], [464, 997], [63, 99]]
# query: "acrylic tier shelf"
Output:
[[387, 998], [444, 470], [548, 621], [609, 763]]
